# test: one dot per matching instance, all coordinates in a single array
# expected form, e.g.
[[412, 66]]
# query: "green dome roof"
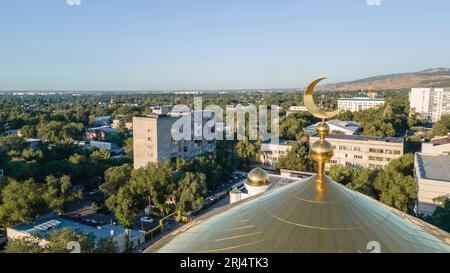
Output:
[[298, 218]]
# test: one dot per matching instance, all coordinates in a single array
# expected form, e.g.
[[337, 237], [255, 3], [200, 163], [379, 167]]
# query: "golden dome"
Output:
[[258, 177], [291, 219]]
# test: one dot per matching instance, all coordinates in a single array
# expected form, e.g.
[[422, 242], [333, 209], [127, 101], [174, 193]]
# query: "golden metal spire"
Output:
[[321, 150]]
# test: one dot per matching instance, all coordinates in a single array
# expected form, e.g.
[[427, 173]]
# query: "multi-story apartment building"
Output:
[[431, 103], [359, 102], [356, 151], [153, 140]]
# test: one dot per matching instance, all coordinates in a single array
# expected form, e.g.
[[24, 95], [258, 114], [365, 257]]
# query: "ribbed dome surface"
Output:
[[299, 218]]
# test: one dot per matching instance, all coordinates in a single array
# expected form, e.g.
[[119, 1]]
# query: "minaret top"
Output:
[[321, 150]]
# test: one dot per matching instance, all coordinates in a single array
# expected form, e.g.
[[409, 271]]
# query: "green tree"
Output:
[[442, 127], [56, 193], [129, 146], [297, 159], [291, 125], [28, 131], [24, 245], [105, 245], [247, 151], [191, 191], [181, 164], [441, 215], [363, 182], [115, 178], [341, 174], [22, 202], [58, 241], [396, 184], [126, 205]]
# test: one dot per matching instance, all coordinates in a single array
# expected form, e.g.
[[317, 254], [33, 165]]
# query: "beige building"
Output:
[[271, 153], [153, 141], [353, 151], [356, 151], [432, 173]]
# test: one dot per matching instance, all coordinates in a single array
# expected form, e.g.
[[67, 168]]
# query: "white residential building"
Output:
[[431, 103], [359, 102]]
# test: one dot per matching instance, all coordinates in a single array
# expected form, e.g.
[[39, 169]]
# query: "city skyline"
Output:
[[156, 45]]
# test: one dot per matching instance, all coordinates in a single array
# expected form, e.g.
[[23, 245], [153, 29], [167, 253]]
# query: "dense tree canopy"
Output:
[[22, 202], [394, 185], [293, 124], [297, 159], [442, 127], [441, 215], [191, 191]]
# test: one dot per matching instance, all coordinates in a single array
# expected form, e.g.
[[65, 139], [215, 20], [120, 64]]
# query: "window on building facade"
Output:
[[376, 158]]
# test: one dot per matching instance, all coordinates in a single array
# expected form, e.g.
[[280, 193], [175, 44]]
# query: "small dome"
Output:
[[258, 177]]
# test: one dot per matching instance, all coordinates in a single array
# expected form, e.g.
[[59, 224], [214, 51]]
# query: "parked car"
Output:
[[94, 192], [146, 219]]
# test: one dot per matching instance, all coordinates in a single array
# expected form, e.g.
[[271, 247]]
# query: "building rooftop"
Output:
[[345, 126], [43, 228], [441, 140], [106, 129], [434, 167], [281, 142], [363, 97], [365, 138]]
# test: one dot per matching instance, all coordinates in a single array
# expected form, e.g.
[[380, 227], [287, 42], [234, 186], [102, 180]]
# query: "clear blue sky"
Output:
[[215, 44]]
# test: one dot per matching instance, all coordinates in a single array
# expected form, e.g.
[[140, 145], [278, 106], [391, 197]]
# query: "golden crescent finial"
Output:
[[321, 150], [311, 106]]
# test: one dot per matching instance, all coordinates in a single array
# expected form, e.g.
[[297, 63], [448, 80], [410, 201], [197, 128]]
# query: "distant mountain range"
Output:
[[433, 77]]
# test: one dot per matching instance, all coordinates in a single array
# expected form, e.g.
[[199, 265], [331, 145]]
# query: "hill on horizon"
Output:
[[433, 77]]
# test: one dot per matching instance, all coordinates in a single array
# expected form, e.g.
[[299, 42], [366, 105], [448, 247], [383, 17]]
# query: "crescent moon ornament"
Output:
[[311, 106]]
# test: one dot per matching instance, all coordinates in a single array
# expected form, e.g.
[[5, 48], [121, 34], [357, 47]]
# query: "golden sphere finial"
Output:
[[322, 129]]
